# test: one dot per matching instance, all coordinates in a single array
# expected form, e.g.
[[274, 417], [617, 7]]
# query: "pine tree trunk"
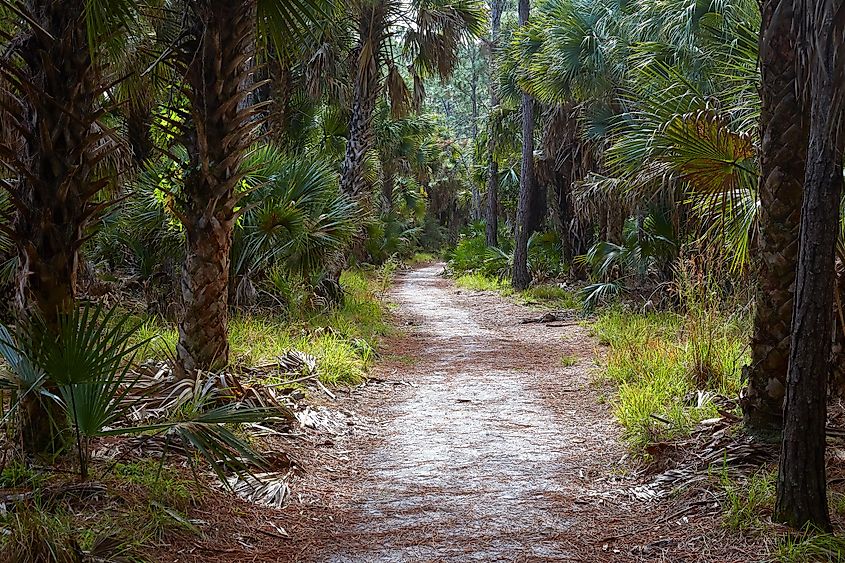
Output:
[[492, 232], [492, 229], [524, 212], [477, 213], [782, 162], [802, 483], [218, 66]]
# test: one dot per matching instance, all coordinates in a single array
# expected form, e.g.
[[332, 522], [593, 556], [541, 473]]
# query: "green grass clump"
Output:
[[342, 339], [158, 484], [568, 361], [480, 282], [553, 296], [657, 359], [423, 258], [748, 504], [19, 475], [811, 548]]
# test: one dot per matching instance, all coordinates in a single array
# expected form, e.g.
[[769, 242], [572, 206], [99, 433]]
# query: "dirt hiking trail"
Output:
[[483, 445]]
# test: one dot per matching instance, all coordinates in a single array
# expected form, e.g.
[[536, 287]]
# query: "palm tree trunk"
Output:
[[782, 162], [218, 66], [802, 483], [352, 180], [492, 231], [50, 88]]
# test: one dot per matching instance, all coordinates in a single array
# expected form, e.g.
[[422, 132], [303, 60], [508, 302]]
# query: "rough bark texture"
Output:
[[782, 161], [218, 66], [493, 166], [52, 149], [49, 139], [477, 213], [802, 483], [522, 229], [370, 33]]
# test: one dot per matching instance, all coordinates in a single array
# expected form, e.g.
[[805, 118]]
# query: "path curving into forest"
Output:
[[496, 451]]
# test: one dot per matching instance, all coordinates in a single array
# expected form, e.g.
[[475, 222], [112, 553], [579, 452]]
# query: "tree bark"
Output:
[[476, 210], [802, 483], [522, 228], [370, 30], [492, 231], [782, 163], [49, 139], [218, 70]]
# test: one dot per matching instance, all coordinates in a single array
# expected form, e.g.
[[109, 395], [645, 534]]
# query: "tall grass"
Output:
[[342, 339], [658, 361]]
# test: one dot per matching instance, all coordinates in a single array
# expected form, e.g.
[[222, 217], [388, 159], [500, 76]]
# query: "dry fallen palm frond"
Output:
[[298, 363], [270, 489]]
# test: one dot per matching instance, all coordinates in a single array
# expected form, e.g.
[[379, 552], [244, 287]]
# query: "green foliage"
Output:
[[649, 248], [749, 502], [811, 548], [654, 362], [552, 296], [341, 339], [83, 364], [16, 475], [568, 361], [38, 534], [295, 216], [480, 282], [158, 483]]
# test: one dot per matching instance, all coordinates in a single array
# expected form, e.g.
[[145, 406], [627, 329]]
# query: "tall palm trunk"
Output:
[[53, 153], [365, 93], [802, 483], [558, 153], [50, 88], [218, 64], [524, 213], [492, 232], [782, 163]]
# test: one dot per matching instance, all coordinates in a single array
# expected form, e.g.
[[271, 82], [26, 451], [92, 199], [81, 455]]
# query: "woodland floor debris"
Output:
[[479, 450]]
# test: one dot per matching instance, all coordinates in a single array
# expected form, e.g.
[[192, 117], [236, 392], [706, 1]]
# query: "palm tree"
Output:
[[524, 211], [782, 161], [57, 152], [58, 155], [427, 35], [802, 483], [216, 56]]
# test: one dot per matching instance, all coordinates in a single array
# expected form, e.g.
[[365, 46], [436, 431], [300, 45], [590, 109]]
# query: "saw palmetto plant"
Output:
[[85, 371]]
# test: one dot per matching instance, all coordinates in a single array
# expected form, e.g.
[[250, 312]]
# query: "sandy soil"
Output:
[[474, 442]]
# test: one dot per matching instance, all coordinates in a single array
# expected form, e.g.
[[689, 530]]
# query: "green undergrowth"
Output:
[[423, 258], [813, 548], [659, 361], [547, 295], [748, 501], [480, 282], [140, 505], [343, 339], [748, 505]]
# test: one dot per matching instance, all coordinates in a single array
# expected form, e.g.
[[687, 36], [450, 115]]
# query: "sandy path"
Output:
[[473, 442], [493, 454]]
